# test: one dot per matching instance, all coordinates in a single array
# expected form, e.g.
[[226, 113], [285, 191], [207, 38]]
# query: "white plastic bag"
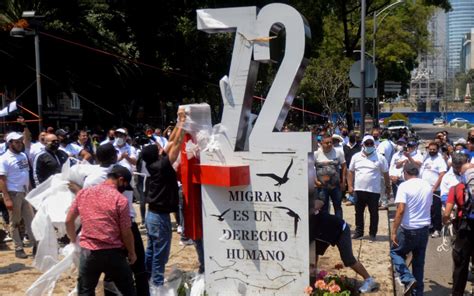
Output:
[[44, 285], [198, 287]]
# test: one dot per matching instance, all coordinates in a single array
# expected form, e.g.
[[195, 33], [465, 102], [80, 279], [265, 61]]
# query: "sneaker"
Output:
[[26, 241], [179, 230], [372, 238], [186, 242], [357, 236], [409, 286], [435, 234], [368, 286], [7, 239], [20, 253]]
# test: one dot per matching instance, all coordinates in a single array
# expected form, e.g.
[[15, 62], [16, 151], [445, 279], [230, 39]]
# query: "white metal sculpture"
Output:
[[256, 236]]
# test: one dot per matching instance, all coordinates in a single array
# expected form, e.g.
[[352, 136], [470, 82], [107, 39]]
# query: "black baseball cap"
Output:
[[121, 171]]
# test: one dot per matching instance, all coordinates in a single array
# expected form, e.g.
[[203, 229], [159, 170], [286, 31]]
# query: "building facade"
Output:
[[459, 21], [467, 58]]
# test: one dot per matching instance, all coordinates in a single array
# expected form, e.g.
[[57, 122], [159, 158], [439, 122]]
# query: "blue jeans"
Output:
[[336, 197], [157, 252], [414, 241]]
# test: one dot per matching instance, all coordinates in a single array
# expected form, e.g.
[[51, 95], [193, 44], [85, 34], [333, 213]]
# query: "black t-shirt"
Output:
[[162, 186], [325, 227]]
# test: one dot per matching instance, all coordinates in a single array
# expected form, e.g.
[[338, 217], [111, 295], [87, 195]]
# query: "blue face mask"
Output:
[[369, 150], [319, 138]]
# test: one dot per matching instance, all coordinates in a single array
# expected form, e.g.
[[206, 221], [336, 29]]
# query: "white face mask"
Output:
[[119, 141], [369, 150]]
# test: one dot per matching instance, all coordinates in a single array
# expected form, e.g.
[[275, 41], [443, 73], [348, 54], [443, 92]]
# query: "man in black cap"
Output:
[[106, 230], [411, 228]]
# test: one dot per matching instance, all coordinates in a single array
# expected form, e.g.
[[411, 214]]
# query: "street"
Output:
[[427, 131], [438, 262]]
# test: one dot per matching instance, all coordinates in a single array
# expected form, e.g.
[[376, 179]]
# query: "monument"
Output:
[[256, 181]]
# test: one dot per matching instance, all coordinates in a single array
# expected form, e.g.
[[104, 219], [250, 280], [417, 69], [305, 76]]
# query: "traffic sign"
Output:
[[370, 73]]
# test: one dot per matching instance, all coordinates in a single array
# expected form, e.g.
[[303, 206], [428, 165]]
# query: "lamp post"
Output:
[[20, 32], [301, 97], [376, 14]]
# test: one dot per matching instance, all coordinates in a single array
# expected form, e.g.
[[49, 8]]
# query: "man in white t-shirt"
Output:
[[37, 147], [387, 149], [14, 184], [330, 180], [110, 137], [395, 173], [453, 176], [72, 149], [410, 155], [365, 173], [432, 170], [410, 229]]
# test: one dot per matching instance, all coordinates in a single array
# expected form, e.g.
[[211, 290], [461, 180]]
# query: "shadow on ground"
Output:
[[13, 267]]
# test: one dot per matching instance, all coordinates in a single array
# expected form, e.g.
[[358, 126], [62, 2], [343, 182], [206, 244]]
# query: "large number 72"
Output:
[[252, 37]]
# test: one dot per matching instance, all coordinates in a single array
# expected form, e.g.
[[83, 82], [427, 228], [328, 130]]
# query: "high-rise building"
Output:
[[459, 21]]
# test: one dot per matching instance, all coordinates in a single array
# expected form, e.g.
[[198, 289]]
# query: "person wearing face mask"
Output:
[[376, 136], [102, 248], [410, 155], [163, 199], [396, 174], [72, 149], [345, 135], [49, 161], [463, 224], [453, 176], [350, 149], [365, 173], [433, 170], [110, 137]]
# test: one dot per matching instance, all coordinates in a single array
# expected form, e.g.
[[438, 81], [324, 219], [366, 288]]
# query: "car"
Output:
[[439, 121], [396, 125], [459, 120]]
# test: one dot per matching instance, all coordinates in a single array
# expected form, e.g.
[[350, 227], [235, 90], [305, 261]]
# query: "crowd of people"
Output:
[[425, 180], [127, 169]]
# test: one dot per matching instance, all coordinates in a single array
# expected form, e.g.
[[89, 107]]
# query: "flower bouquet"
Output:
[[332, 284]]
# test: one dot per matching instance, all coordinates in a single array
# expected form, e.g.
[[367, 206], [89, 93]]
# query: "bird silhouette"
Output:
[[221, 216], [280, 180], [292, 213]]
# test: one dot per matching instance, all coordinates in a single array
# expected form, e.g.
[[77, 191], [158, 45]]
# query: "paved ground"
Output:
[[374, 256], [428, 131]]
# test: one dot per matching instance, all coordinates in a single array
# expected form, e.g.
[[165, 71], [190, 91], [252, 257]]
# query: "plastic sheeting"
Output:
[[45, 284], [52, 200]]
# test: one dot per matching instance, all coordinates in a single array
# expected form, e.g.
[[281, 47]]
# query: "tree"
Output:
[[326, 81]]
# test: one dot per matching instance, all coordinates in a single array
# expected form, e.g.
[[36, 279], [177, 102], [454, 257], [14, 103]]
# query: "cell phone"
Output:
[[405, 149]]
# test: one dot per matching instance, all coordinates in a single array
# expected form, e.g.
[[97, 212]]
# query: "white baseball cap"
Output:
[[368, 137], [122, 131], [13, 136]]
